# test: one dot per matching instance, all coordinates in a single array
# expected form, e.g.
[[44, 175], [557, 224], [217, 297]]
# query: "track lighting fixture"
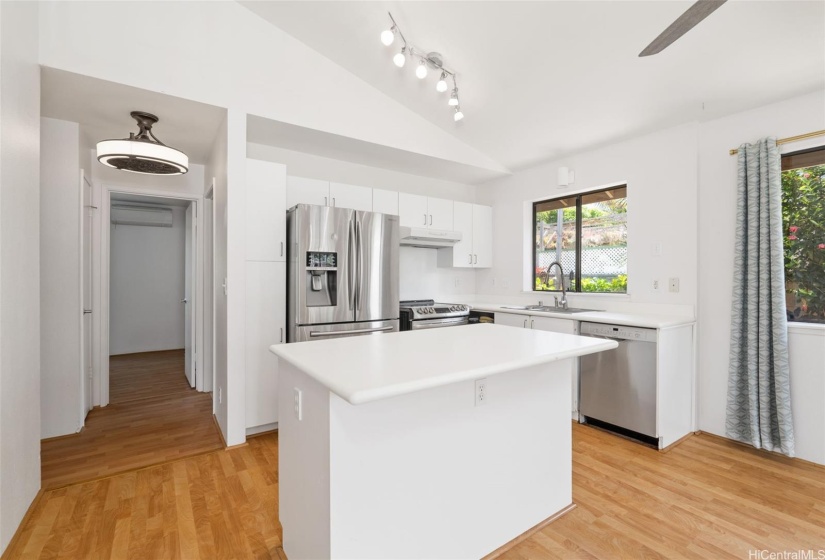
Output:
[[441, 86], [426, 60], [400, 58], [388, 36], [421, 71]]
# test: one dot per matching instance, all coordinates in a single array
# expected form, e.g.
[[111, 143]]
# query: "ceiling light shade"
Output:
[[453, 102], [421, 71], [458, 114], [388, 36], [142, 153], [441, 86], [400, 59]]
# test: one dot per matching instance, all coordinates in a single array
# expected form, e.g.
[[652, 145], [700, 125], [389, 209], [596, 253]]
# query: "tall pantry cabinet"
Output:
[[265, 287]]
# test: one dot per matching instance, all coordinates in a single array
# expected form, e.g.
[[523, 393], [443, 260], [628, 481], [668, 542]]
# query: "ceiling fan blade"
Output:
[[684, 23]]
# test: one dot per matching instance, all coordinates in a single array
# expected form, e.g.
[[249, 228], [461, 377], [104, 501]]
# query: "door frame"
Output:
[[85, 268], [102, 377]]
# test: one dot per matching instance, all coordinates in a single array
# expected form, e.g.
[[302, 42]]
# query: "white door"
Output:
[[385, 202], [513, 320], [86, 274], [350, 196], [412, 210], [440, 211], [482, 236], [188, 302], [463, 222], [300, 190]]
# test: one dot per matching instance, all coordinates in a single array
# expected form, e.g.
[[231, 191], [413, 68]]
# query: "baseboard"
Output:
[[677, 442], [65, 436], [16, 537], [528, 533], [262, 429], [220, 432], [774, 454]]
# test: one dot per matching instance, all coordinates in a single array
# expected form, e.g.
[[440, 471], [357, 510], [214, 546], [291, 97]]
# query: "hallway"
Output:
[[153, 417]]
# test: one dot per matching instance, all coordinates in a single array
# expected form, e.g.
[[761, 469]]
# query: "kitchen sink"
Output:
[[547, 308]]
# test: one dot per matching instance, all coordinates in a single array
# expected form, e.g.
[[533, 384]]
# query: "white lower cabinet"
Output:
[[550, 324], [265, 326]]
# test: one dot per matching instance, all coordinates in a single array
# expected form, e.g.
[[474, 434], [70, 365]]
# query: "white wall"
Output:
[[60, 215], [420, 277], [717, 212], [660, 171], [146, 284], [19, 264]]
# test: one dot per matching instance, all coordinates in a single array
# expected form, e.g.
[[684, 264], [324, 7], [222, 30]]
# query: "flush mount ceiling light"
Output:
[[142, 152], [427, 60]]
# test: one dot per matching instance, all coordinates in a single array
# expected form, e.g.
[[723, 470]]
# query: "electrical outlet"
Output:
[[457, 281], [506, 284], [656, 285], [674, 285], [220, 395], [299, 404], [657, 249], [481, 392]]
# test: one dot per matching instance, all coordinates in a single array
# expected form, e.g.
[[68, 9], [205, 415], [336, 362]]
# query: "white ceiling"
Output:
[[546, 78], [102, 108]]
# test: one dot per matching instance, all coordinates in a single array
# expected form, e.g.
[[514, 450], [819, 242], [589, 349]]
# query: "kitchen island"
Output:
[[441, 443]]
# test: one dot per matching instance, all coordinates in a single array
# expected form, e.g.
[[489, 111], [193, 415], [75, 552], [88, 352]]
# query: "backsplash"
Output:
[[421, 278]]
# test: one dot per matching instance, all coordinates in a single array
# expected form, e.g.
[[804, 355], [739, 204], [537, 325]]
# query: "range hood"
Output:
[[429, 238]]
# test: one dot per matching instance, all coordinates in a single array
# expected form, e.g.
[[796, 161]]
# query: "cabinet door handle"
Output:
[[525, 323], [425, 219], [282, 334], [475, 259], [282, 248], [325, 202], [333, 201], [471, 259], [431, 219], [532, 322]]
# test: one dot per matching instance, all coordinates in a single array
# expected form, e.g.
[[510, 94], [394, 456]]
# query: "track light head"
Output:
[[453, 102], [441, 86], [458, 115], [400, 58], [388, 36], [421, 71]]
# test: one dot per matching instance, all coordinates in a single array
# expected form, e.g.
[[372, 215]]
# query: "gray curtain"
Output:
[[759, 398]]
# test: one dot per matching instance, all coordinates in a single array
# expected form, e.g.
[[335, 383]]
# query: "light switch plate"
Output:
[[674, 285]]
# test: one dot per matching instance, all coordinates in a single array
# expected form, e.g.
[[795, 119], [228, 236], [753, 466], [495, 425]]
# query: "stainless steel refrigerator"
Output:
[[342, 271]]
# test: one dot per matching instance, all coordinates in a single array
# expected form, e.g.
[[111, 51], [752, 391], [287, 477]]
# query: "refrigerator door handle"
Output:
[[359, 272], [351, 263]]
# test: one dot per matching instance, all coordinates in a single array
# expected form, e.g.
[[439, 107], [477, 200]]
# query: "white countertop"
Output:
[[369, 368], [629, 319]]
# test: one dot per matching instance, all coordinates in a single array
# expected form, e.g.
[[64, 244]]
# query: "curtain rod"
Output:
[[735, 151]]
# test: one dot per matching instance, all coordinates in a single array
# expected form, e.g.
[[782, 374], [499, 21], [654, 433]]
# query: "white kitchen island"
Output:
[[384, 451]]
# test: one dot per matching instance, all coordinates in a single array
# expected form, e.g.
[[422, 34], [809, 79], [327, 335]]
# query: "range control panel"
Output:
[[618, 331]]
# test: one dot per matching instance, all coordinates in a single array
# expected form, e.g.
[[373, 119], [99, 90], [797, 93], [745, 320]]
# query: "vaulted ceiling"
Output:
[[542, 79]]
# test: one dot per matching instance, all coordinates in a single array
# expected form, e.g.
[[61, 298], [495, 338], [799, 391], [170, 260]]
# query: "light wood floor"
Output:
[[153, 417], [707, 498]]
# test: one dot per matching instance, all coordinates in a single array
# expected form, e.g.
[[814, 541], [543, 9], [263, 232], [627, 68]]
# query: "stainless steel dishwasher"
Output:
[[618, 387]]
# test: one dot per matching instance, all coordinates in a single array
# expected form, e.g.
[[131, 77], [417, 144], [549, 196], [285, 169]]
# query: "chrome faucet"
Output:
[[563, 300]]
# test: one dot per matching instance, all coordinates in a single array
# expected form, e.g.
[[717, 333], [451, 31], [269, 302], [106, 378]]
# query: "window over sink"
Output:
[[803, 223], [587, 234]]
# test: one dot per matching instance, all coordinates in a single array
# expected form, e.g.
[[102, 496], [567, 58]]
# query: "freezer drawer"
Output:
[[321, 332]]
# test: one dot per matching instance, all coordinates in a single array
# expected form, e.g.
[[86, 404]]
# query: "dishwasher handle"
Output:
[[618, 332]]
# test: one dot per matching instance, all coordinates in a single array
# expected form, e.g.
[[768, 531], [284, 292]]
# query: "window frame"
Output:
[[578, 196]]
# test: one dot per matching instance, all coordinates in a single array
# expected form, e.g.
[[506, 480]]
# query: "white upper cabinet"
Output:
[[385, 202], [425, 212], [412, 209], [350, 196], [475, 250], [265, 211], [300, 190]]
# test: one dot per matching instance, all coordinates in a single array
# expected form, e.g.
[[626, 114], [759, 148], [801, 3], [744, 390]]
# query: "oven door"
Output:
[[436, 323]]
